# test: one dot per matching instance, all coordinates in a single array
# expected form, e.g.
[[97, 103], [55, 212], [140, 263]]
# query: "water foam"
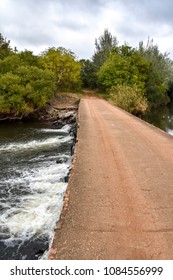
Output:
[[39, 210], [37, 213], [65, 129], [33, 145], [33, 186]]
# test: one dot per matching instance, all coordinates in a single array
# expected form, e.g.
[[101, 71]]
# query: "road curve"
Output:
[[121, 189]]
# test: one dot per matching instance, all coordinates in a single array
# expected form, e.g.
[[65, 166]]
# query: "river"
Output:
[[161, 117], [35, 161]]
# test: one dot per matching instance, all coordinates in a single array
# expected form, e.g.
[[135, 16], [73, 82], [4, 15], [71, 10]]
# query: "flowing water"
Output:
[[34, 162]]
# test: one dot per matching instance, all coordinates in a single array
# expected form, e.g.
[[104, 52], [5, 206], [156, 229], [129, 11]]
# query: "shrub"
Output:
[[129, 98]]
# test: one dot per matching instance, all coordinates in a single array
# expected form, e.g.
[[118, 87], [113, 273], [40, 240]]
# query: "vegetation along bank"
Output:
[[135, 79]]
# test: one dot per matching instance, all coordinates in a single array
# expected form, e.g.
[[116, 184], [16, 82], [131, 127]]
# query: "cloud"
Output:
[[39, 24]]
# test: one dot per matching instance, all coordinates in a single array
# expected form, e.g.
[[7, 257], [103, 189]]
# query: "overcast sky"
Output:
[[74, 24]]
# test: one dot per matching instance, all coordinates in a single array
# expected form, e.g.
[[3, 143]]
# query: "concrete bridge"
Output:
[[119, 201]]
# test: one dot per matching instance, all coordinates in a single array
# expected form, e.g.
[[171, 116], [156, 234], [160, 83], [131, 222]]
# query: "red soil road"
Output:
[[121, 189]]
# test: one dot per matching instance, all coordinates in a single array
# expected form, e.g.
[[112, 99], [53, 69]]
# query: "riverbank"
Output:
[[60, 104]]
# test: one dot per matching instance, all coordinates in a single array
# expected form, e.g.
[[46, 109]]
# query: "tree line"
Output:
[[133, 78], [28, 81]]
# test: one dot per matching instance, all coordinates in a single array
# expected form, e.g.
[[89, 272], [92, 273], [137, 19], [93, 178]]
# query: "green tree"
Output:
[[12, 95], [24, 88], [160, 73], [13, 61], [104, 45], [29, 58], [66, 68], [170, 90], [5, 48], [40, 84], [10, 63], [125, 67], [88, 74]]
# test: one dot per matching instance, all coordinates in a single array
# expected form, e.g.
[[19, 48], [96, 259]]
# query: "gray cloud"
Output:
[[38, 24], [156, 11]]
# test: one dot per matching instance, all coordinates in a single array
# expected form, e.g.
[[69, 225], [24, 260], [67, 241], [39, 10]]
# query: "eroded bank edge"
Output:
[[53, 250]]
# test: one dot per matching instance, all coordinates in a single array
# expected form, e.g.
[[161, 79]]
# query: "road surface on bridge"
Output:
[[121, 189]]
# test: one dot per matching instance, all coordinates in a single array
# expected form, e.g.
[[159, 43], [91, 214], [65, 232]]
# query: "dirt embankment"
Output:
[[120, 203], [59, 105]]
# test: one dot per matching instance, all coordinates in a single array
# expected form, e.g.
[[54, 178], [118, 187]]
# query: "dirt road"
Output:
[[121, 189]]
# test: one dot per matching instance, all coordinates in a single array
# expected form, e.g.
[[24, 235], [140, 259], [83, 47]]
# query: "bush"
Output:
[[26, 90], [129, 98]]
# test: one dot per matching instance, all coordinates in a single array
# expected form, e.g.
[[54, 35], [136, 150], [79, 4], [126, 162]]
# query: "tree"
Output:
[[160, 73], [66, 68], [88, 74], [10, 63], [30, 59], [25, 90], [5, 48], [104, 44], [170, 90], [23, 87], [27, 81], [40, 84], [12, 93], [124, 67]]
